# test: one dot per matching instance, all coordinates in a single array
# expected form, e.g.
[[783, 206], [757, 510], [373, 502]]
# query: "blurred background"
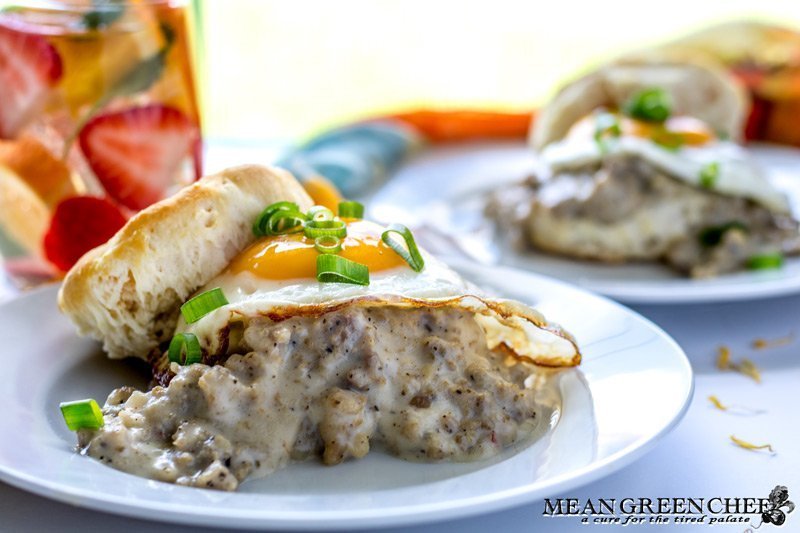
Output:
[[271, 74], [274, 69]]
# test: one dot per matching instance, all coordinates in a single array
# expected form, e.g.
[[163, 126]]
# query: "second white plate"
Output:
[[441, 194]]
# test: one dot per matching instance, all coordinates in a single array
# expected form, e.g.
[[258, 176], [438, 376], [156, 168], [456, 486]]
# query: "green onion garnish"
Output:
[[765, 261], [184, 349], [202, 304], [284, 222], [319, 213], [606, 125], [82, 414], [351, 209], [280, 217], [328, 244], [709, 175], [333, 268], [667, 139], [651, 105], [409, 252], [712, 235], [325, 228]]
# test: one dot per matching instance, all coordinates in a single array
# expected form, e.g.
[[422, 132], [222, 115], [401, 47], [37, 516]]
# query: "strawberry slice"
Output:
[[29, 68], [137, 152], [79, 224]]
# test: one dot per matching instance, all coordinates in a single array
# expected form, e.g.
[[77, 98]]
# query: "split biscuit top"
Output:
[[700, 90], [127, 293]]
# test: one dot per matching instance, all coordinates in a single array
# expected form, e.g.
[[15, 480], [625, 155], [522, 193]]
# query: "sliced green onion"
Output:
[[328, 244], [709, 175], [712, 235], [319, 213], [263, 225], [336, 269], [184, 349], [82, 414], [765, 261], [260, 227], [409, 252], [351, 209], [202, 304], [325, 228], [606, 125], [667, 139], [284, 222], [651, 105]]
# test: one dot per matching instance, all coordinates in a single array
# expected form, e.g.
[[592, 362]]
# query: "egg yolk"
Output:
[[675, 131], [294, 256], [323, 192]]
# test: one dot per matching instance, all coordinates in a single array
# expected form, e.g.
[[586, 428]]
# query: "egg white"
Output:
[[519, 327], [248, 292], [251, 295], [738, 174]]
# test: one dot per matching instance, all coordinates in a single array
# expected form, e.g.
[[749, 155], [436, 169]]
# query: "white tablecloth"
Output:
[[695, 460]]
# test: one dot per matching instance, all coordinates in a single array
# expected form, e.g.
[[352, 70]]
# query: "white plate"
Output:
[[632, 388], [441, 195]]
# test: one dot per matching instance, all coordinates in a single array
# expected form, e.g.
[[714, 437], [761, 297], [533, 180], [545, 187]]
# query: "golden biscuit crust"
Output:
[[127, 292], [699, 89]]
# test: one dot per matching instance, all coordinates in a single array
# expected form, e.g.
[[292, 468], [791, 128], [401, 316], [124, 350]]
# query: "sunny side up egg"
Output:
[[293, 256], [683, 147], [276, 277], [280, 272]]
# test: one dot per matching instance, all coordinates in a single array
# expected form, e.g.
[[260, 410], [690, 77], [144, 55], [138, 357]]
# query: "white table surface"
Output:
[[695, 460]]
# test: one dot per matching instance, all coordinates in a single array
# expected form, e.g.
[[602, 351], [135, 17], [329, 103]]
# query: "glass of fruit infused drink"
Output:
[[98, 119]]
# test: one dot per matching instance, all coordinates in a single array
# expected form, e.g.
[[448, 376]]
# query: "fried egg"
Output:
[[276, 277], [694, 148]]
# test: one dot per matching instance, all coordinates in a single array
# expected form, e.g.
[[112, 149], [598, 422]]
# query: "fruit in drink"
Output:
[[47, 175], [29, 69], [23, 214], [136, 152], [79, 224]]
